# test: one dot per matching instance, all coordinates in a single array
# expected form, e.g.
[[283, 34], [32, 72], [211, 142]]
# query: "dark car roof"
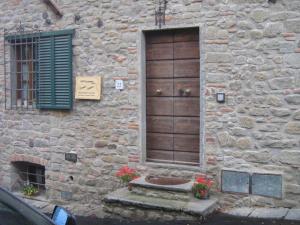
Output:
[[23, 208]]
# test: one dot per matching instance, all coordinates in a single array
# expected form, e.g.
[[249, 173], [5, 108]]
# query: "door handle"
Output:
[[158, 92], [187, 91]]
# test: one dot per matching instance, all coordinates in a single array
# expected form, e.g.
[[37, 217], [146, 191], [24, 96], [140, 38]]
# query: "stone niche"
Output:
[[25, 173]]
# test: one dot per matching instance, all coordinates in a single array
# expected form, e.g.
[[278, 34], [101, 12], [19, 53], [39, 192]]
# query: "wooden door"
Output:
[[172, 90]]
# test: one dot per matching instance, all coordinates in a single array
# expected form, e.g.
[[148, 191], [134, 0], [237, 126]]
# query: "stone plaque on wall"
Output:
[[88, 87], [236, 182], [269, 185]]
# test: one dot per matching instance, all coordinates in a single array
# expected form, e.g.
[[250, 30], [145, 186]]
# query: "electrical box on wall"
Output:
[[119, 84]]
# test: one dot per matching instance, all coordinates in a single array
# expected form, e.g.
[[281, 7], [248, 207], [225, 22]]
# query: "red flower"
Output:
[[127, 174]]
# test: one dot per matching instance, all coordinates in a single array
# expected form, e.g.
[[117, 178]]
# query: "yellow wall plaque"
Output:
[[88, 87]]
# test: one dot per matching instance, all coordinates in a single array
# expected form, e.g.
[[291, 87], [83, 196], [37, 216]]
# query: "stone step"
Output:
[[142, 182], [124, 199]]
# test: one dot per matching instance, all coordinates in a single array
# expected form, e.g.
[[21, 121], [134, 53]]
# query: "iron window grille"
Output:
[[29, 174], [38, 69], [21, 68]]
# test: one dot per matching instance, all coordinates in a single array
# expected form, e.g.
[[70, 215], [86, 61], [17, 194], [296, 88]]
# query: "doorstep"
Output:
[[192, 207]]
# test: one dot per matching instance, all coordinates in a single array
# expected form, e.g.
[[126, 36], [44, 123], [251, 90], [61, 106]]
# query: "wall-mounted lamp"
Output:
[[99, 23], [77, 17], [220, 97]]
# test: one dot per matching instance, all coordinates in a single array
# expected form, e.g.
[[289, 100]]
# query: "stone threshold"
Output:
[[141, 182], [192, 207], [266, 213]]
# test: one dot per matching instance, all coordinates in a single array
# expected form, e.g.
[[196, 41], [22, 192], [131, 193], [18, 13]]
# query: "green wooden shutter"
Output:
[[55, 70]]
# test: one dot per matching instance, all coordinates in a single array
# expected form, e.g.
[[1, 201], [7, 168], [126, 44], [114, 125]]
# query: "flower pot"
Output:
[[202, 194]]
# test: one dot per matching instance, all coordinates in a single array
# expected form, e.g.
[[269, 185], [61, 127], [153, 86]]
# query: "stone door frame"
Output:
[[142, 98]]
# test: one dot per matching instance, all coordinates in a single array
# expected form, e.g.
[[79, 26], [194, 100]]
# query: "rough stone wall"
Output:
[[251, 52]]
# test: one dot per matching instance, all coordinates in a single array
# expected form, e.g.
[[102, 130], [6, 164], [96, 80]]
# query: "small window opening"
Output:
[[21, 69], [28, 174]]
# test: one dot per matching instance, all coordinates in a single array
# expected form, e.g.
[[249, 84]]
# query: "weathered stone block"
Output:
[[247, 122], [293, 128], [259, 112], [280, 112], [256, 34], [244, 143], [259, 15], [293, 214], [225, 139], [293, 99], [216, 33], [269, 128], [281, 144], [245, 25], [273, 29], [266, 213], [293, 25], [101, 144], [296, 115], [282, 83], [237, 131], [290, 157], [274, 100], [218, 58], [292, 60]]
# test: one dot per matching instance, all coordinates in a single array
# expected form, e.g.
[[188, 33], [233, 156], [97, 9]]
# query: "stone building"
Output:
[[167, 120]]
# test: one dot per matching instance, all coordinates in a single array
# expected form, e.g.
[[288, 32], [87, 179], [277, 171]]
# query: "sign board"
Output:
[[72, 157], [88, 87]]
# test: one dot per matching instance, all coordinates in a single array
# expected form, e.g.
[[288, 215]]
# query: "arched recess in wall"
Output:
[[27, 171]]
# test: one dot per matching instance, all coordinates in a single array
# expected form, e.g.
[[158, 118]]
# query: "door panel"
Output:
[[186, 87], [186, 143], [165, 37], [158, 141], [160, 87], [186, 125], [160, 124], [186, 106], [191, 157], [186, 68], [160, 51], [172, 95], [186, 50], [160, 106], [186, 35], [159, 155], [159, 69]]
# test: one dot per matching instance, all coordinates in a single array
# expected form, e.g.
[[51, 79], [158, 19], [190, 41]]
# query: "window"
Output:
[[38, 70], [28, 174]]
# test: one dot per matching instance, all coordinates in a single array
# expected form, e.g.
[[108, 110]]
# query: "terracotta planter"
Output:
[[202, 194]]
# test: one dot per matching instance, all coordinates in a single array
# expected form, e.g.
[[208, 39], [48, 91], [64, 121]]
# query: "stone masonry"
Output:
[[251, 52]]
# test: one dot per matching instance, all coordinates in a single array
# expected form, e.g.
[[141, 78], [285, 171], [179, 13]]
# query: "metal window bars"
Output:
[[34, 175], [21, 68]]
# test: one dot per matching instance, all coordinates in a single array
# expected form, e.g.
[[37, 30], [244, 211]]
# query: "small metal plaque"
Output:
[[236, 182], [269, 185], [72, 157], [66, 195], [88, 88]]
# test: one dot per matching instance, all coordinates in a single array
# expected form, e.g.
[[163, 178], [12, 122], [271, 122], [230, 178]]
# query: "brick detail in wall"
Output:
[[28, 158]]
